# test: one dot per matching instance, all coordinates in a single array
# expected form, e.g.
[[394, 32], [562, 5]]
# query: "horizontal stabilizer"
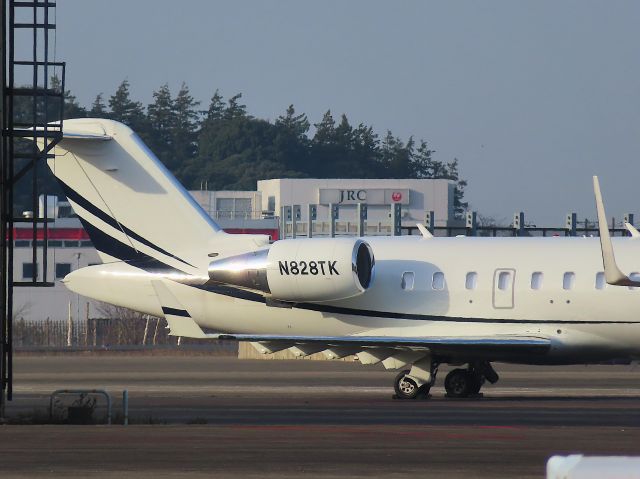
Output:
[[81, 131], [179, 320]]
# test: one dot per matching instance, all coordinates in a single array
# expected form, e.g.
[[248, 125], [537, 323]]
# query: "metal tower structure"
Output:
[[32, 113]]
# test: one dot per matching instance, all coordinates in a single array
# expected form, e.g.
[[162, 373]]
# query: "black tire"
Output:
[[459, 383], [477, 381], [405, 388], [423, 391]]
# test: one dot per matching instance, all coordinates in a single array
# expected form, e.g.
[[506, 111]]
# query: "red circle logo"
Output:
[[396, 196]]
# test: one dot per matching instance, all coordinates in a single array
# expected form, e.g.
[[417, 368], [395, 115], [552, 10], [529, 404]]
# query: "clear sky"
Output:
[[532, 97]]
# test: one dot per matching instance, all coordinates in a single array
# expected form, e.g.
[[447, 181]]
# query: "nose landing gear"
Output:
[[407, 388], [416, 382]]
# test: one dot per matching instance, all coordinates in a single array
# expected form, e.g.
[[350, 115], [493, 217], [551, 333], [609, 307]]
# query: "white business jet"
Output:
[[411, 302]]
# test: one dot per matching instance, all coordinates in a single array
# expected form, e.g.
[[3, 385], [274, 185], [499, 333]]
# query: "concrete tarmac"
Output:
[[206, 415]]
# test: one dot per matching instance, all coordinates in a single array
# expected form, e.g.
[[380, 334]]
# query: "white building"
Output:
[[417, 197], [69, 248]]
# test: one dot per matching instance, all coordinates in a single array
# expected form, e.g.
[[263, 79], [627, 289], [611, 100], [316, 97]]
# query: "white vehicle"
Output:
[[411, 302]]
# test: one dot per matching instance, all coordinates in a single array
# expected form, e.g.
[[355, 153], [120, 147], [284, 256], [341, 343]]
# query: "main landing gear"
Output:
[[459, 383], [462, 383]]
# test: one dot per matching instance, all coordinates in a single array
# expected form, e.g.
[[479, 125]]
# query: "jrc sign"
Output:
[[371, 196]]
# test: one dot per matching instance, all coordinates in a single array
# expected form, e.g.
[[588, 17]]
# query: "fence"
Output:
[[293, 223], [104, 333]]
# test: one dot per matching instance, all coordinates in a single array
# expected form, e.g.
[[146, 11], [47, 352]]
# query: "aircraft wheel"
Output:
[[459, 383], [406, 388], [477, 381]]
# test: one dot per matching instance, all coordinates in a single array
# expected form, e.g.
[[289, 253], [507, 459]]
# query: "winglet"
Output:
[[612, 273], [179, 320], [632, 229], [426, 234]]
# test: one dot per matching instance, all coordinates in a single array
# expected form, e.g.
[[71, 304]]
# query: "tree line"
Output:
[[226, 147]]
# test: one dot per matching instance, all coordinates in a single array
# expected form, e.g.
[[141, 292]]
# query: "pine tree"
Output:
[[98, 108], [72, 108], [397, 156], [235, 109], [297, 125], [127, 111], [325, 130], [451, 173], [291, 143], [216, 108], [367, 151], [344, 134], [160, 113], [184, 108], [424, 165], [184, 131], [161, 120]]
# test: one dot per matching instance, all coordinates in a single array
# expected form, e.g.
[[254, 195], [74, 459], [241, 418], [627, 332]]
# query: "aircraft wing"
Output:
[[392, 351], [373, 349]]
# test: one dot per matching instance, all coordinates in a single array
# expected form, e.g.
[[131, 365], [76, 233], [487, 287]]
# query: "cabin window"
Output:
[[536, 280], [601, 282], [634, 277], [504, 280], [568, 280], [407, 280], [471, 280], [437, 282]]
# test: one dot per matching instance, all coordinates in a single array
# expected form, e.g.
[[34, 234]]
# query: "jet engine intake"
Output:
[[314, 269]]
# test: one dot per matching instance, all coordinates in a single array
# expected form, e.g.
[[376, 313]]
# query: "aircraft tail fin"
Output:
[[130, 204]]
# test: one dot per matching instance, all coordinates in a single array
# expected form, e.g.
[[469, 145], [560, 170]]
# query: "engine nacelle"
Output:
[[314, 269]]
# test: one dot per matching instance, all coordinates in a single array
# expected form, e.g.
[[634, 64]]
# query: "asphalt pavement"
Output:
[[205, 415]]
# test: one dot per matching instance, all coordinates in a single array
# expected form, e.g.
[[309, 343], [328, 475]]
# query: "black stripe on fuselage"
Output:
[[176, 312], [324, 308], [94, 210]]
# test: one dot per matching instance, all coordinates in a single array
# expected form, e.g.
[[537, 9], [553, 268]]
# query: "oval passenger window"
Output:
[[568, 280], [407, 280], [472, 280], [536, 280], [437, 281]]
